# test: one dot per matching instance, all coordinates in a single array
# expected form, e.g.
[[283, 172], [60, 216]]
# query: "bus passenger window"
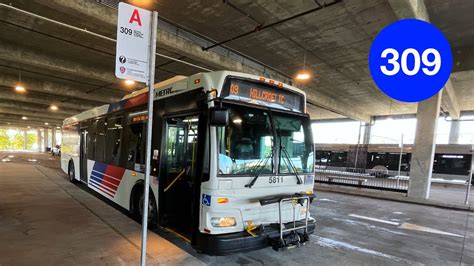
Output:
[[99, 140], [135, 150], [113, 139]]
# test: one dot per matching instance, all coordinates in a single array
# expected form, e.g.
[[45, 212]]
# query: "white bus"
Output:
[[232, 159]]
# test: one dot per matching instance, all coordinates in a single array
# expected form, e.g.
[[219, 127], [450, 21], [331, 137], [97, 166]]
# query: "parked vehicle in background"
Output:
[[451, 161], [56, 150]]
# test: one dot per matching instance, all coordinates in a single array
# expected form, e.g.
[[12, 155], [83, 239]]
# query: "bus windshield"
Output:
[[247, 146]]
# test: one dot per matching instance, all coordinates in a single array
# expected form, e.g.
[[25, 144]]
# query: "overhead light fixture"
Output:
[[46, 123], [129, 82], [58, 127], [24, 117], [53, 107], [29, 127], [303, 75], [19, 88]]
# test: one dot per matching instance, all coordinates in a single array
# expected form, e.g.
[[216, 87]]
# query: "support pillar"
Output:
[[25, 140], [39, 140], [367, 132], [53, 137], [45, 138], [424, 147], [454, 132]]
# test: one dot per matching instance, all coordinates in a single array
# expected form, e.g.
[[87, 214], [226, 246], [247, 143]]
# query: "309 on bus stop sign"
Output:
[[133, 38]]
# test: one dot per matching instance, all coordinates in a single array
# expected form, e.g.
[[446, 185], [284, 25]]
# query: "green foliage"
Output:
[[17, 141]]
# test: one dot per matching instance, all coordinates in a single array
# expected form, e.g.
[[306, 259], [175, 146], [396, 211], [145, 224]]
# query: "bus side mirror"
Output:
[[219, 117]]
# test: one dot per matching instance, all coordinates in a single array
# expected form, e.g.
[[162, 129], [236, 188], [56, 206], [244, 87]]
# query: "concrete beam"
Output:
[[168, 41], [35, 59], [410, 9], [37, 108], [29, 114], [333, 105], [10, 118], [449, 101], [15, 124], [32, 97], [417, 9], [55, 88]]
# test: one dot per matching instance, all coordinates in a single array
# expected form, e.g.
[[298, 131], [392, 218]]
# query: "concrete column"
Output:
[[39, 140], [53, 137], [25, 139], [45, 138], [454, 132], [424, 147], [367, 131]]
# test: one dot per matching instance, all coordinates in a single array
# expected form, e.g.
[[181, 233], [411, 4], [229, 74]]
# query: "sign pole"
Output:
[[151, 94]]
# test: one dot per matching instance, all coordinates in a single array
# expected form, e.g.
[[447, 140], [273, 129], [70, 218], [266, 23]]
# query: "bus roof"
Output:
[[176, 85]]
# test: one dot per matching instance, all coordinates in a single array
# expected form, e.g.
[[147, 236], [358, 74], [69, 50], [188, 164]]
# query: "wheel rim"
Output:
[[151, 210], [71, 173]]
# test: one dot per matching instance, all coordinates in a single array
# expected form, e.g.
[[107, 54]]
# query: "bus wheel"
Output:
[[152, 210], [71, 173]]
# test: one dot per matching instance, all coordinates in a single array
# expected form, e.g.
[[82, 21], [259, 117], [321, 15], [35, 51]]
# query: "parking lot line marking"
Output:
[[407, 226], [334, 244], [373, 219], [416, 227]]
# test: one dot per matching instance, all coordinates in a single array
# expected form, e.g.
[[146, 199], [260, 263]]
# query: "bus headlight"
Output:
[[223, 221]]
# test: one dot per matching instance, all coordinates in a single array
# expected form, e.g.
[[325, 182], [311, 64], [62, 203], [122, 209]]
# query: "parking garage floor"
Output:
[[46, 220]]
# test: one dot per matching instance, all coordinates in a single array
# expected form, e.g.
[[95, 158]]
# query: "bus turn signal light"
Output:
[[222, 200]]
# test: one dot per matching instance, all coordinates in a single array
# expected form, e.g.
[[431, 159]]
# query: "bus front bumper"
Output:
[[242, 241]]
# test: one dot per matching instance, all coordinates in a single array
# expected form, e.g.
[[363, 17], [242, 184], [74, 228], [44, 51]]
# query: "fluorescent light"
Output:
[[53, 107], [129, 82], [237, 121], [46, 123], [302, 76], [24, 117]]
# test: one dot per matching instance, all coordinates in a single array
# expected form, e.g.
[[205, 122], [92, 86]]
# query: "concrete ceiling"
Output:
[[49, 45]]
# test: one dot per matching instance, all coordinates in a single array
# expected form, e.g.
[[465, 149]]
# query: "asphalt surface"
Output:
[[351, 230]]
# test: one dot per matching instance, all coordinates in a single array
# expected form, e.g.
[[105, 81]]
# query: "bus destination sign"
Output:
[[262, 94]]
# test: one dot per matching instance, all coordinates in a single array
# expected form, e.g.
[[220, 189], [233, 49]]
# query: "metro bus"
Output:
[[232, 159]]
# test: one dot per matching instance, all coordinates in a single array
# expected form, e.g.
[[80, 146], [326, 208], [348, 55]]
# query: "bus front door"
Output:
[[83, 156], [179, 173]]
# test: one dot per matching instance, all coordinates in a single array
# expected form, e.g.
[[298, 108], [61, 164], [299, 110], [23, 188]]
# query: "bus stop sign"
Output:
[[133, 43]]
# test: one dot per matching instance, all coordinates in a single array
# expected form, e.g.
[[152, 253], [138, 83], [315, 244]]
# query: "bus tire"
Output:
[[137, 198], [71, 172]]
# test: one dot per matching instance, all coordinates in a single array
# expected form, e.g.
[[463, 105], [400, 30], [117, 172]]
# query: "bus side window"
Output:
[[91, 139], [99, 141], [113, 140], [135, 150]]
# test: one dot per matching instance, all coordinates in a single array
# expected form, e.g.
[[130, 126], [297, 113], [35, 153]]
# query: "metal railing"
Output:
[[362, 178]]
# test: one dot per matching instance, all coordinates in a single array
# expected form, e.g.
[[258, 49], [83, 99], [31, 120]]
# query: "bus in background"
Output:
[[451, 164], [232, 159]]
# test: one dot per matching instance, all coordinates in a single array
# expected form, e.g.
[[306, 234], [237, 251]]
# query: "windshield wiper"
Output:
[[254, 179], [291, 165]]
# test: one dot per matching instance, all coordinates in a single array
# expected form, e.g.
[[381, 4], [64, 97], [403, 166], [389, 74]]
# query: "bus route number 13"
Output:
[[431, 67]]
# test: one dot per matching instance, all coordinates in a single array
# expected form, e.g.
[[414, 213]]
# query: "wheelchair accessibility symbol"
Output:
[[206, 200]]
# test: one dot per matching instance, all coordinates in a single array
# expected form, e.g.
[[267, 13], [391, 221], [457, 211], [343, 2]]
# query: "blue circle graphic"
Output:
[[424, 60]]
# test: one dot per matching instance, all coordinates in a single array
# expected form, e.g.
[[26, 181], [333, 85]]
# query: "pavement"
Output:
[[45, 220]]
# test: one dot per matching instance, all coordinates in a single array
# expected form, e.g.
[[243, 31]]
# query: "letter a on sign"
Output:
[[135, 17]]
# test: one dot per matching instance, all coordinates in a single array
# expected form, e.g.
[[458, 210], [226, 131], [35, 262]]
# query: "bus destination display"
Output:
[[262, 94]]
